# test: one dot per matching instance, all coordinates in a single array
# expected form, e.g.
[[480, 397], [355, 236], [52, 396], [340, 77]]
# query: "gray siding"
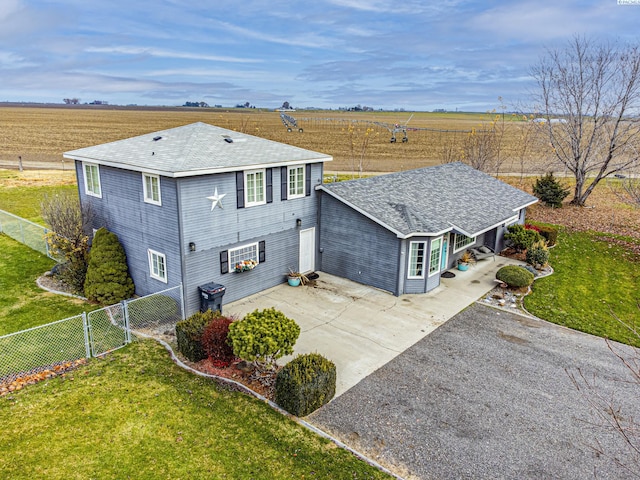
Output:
[[139, 225], [214, 231], [357, 248]]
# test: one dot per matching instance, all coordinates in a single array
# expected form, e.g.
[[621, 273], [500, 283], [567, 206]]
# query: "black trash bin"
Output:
[[211, 296]]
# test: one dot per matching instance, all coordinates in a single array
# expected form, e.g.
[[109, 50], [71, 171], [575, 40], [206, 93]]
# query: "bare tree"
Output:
[[589, 96], [69, 236], [482, 146]]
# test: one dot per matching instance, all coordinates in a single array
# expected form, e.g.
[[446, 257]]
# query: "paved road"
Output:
[[486, 396]]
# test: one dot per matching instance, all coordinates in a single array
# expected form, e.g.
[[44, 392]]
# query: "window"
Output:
[[158, 265], [151, 187], [416, 259], [461, 241], [254, 188], [296, 182], [246, 253], [434, 256], [92, 180]]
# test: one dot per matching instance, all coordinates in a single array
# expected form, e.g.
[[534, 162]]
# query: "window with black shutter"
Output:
[[240, 189], [224, 261]]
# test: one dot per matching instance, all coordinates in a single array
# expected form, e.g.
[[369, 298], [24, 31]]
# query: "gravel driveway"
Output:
[[486, 395]]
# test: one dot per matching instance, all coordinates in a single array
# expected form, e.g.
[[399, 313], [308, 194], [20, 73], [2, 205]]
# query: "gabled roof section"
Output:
[[433, 200], [196, 149]]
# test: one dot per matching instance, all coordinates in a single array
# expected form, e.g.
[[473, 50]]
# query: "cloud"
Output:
[[157, 52]]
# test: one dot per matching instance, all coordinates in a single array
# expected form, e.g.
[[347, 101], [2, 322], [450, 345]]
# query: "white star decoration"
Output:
[[216, 199]]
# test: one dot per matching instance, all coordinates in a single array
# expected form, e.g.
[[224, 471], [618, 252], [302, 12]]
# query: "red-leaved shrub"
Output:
[[214, 341]]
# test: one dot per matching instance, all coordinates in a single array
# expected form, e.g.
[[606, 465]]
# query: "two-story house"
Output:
[[201, 204], [191, 205]]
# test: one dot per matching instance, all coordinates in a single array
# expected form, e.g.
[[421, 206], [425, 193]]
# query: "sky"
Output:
[[410, 54]]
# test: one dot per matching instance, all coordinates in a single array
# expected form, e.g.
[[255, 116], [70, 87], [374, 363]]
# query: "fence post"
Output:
[[184, 312], [85, 327], [125, 314]]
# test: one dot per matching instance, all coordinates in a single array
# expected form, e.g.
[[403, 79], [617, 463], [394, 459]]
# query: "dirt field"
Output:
[[40, 135]]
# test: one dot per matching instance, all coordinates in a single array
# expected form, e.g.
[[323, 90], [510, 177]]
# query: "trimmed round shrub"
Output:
[[515, 276], [305, 384], [107, 281], [263, 336], [538, 255], [189, 334], [215, 342]]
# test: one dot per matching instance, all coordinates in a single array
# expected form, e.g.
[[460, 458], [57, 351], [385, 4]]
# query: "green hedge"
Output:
[[550, 234], [305, 384], [189, 334]]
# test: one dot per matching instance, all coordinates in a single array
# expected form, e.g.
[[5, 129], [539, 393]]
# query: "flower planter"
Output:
[[463, 267], [294, 281]]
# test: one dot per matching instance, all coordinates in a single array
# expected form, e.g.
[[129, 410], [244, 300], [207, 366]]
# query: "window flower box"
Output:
[[245, 266]]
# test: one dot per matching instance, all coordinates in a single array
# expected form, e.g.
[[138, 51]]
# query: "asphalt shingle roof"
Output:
[[195, 149], [432, 200]]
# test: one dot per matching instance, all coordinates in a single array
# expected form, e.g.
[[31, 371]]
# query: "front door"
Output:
[[307, 259], [445, 252]]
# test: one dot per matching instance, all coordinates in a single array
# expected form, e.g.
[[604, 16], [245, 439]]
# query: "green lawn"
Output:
[[25, 201], [22, 303], [136, 415], [593, 281]]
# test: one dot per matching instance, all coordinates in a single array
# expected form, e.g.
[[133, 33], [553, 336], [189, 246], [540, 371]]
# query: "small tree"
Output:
[[107, 279], [68, 237], [263, 336], [550, 190]]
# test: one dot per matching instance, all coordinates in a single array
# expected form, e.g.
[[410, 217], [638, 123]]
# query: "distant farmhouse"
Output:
[[199, 204]]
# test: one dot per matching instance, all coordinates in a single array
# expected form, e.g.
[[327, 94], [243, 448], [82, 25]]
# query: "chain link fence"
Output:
[[89, 335], [24, 231]]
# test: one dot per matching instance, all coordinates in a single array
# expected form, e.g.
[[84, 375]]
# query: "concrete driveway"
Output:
[[487, 396], [361, 328]]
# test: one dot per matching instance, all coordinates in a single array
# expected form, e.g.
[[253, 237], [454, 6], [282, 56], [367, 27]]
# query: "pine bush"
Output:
[[108, 280], [263, 336], [550, 190]]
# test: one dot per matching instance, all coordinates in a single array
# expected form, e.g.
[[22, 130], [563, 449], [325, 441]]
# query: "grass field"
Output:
[[43, 134], [134, 414], [594, 282]]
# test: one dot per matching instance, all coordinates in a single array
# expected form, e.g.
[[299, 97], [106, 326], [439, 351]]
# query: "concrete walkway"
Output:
[[361, 328]]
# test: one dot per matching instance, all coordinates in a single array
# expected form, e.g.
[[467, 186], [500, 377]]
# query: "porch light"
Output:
[[192, 247]]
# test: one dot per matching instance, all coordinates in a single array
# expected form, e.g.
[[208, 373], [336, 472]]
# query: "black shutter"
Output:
[[269, 185], [224, 261], [307, 179], [240, 189], [261, 256], [284, 183]]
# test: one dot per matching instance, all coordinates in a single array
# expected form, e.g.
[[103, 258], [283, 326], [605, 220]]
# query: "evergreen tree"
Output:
[[108, 280], [550, 190]]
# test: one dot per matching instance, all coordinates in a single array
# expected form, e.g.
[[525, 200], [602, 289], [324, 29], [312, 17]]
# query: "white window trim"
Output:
[[297, 195], [151, 254], [439, 262], [232, 264], [247, 203], [464, 246], [424, 260], [148, 195], [86, 183]]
